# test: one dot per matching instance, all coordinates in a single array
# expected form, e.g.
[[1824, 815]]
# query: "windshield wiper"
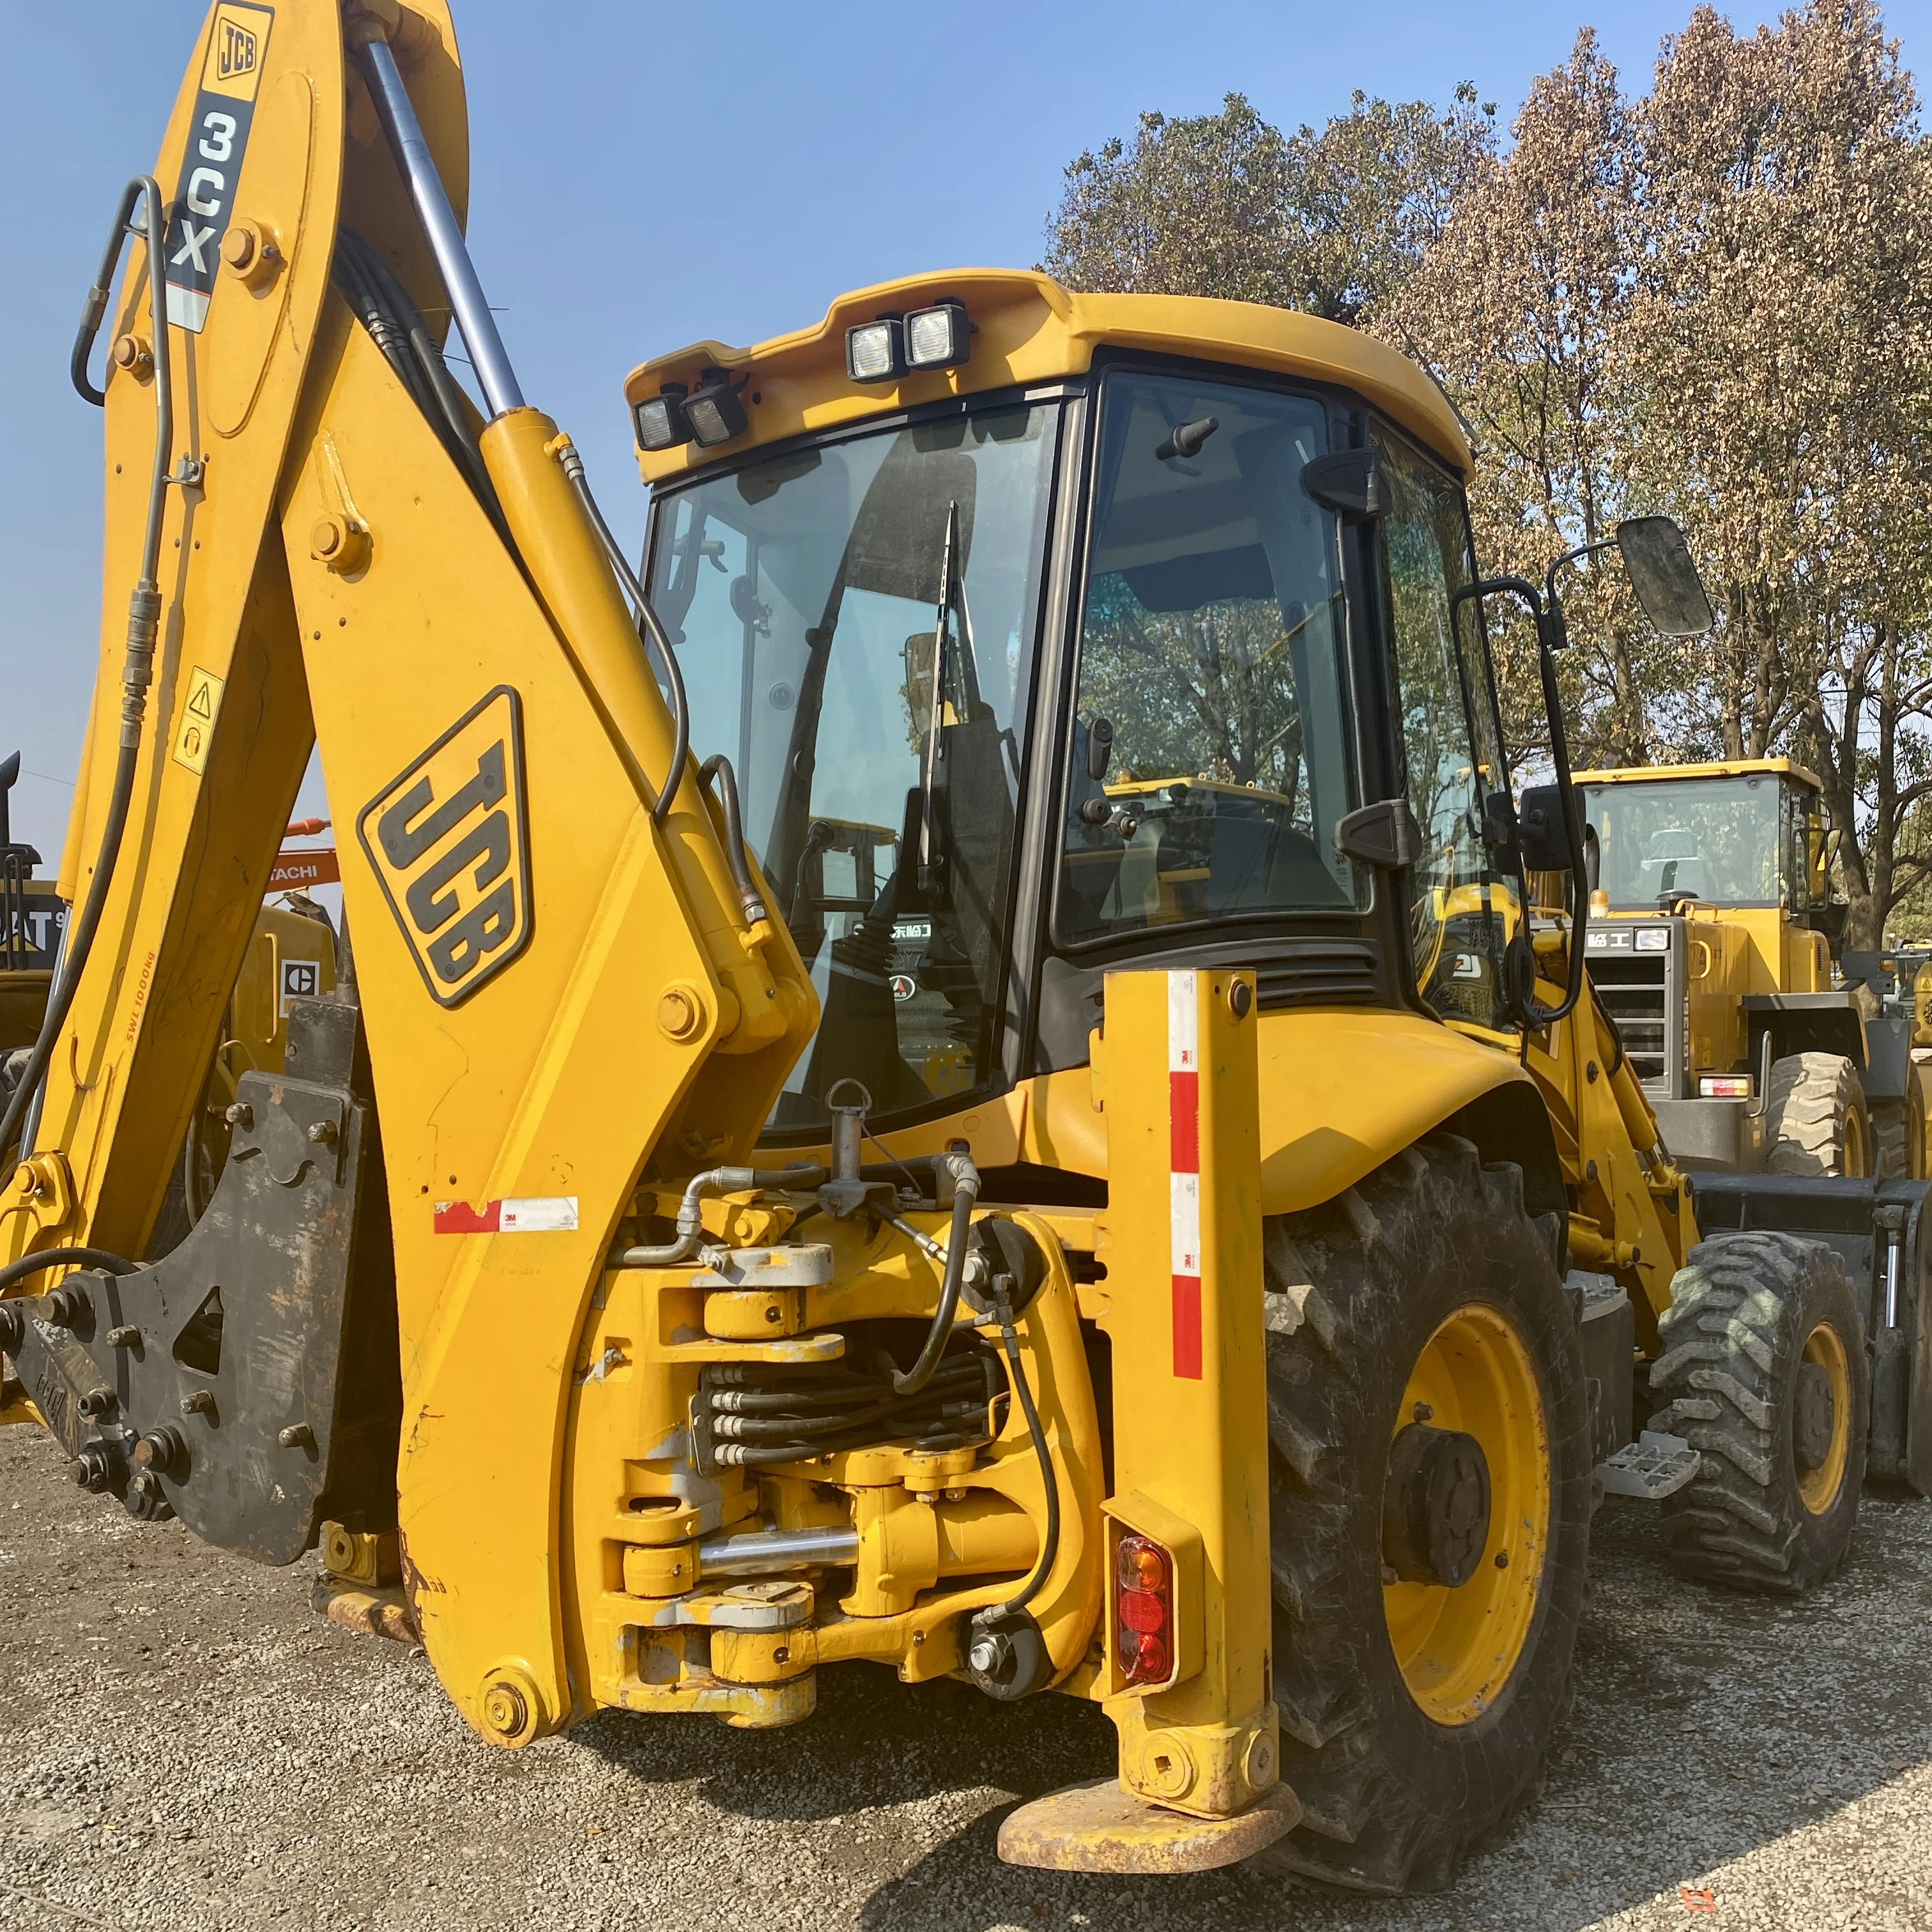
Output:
[[929, 866]]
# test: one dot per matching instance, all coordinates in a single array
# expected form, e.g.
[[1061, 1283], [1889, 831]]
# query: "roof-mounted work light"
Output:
[[714, 412], [938, 338], [661, 418], [875, 351]]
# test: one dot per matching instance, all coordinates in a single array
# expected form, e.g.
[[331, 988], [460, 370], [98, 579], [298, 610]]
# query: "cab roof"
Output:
[[1719, 768], [1030, 329]]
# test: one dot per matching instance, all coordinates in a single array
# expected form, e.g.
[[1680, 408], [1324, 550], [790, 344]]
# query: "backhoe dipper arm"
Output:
[[553, 988]]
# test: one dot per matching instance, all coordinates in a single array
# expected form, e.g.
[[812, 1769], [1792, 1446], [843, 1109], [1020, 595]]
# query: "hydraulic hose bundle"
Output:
[[144, 617], [749, 1415]]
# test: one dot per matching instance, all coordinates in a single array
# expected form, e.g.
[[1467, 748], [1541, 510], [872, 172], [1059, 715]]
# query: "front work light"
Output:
[[936, 338], [661, 419], [875, 351], [713, 410], [1653, 939]]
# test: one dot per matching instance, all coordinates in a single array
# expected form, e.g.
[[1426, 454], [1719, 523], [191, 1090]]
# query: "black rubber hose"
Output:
[[144, 617], [940, 1333], [47, 1258], [389, 313], [719, 767], [1049, 1550], [647, 619]]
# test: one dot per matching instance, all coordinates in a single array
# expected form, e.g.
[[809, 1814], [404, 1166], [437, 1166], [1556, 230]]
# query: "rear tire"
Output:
[[1891, 1136], [1817, 1118], [1415, 1716], [1764, 1372]]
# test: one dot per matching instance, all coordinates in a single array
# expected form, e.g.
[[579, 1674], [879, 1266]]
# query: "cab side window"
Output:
[[1450, 736]]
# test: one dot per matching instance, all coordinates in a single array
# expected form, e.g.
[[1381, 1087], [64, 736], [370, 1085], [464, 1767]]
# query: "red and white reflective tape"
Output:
[[531, 1214], [1184, 1132]]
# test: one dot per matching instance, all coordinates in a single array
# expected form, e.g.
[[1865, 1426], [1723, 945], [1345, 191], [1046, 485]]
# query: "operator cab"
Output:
[[1025, 681]]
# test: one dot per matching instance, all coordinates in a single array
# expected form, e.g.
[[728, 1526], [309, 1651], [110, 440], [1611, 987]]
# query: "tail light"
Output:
[[1143, 1611]]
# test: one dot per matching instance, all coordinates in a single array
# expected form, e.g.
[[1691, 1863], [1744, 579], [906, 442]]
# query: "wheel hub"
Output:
[[1815, 1417], [1435, 1508]]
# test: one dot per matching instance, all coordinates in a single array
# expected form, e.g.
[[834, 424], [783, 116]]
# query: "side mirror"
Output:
[[1657, 561], [1543, 831]]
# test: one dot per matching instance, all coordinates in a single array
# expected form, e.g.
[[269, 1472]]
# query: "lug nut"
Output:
[[93, 1468], [201, 1401], [297, 1436], [127, 1336], [239, 1114], [323, 1133], [96, 1402]]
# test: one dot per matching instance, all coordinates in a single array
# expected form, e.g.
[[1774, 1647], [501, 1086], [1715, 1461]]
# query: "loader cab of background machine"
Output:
[[1019, 687]]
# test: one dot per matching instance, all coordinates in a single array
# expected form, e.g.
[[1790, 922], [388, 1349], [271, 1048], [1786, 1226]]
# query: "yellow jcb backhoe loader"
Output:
[[1055, 1155]]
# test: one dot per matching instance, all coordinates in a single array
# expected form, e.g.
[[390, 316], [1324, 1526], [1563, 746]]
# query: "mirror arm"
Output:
[[1550, 639], [1579, 897]]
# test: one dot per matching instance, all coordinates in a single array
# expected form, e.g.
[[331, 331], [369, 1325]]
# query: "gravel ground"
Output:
[[184, 1745]]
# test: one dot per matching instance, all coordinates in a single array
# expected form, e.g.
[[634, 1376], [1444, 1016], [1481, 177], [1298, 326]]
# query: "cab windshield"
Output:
[[803, 594], [1212, 752], [1715, 839]]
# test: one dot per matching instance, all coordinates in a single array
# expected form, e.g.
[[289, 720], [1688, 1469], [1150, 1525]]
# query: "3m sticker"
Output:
[[449, 843], [199, 709], [217, 138], [530, 1214]]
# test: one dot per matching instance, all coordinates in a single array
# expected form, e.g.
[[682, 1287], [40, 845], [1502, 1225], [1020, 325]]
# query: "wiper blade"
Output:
[[928, 859]]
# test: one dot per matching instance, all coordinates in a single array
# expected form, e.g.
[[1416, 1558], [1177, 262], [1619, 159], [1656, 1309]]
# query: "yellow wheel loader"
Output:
[[1712, 946], [30, 919], [958, 1070]]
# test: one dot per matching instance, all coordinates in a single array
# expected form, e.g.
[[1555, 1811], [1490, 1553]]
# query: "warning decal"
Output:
[[197, 719], [217, 137]]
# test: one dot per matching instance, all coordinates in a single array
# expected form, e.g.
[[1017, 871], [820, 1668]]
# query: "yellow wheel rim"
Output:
[[1857, 1167], [1818, 1490], [1457, 1648]]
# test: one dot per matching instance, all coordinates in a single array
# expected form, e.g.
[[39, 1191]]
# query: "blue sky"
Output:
[[645, 176]]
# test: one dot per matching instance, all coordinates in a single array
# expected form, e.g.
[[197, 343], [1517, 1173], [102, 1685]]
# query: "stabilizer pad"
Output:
[[1100, 1828]]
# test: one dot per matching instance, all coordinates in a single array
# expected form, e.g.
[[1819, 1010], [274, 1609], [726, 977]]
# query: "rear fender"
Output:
[[1341, 1090]]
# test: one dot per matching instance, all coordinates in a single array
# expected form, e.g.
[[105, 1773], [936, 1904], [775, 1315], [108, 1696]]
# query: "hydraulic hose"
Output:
[[144, 616], [1049, 1548], [718, 766], [647, 619], [47, 1258], [395, 325], [690, 1218], [968, 1181]]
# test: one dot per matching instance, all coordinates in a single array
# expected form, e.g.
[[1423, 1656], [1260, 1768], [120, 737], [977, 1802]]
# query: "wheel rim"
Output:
[[1456, 1647], [1856, 1165], [1818, 1489]]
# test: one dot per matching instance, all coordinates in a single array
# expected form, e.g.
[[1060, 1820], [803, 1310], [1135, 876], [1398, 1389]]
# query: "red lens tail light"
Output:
[[1144, 1610]]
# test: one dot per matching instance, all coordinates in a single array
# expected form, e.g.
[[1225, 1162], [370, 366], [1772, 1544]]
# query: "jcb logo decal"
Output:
[[239, 40], [235, 50], [449, 844]]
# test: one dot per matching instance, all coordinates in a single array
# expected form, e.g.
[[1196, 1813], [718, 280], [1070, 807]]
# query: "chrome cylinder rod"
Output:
[[486, 353], [764, 1552]]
